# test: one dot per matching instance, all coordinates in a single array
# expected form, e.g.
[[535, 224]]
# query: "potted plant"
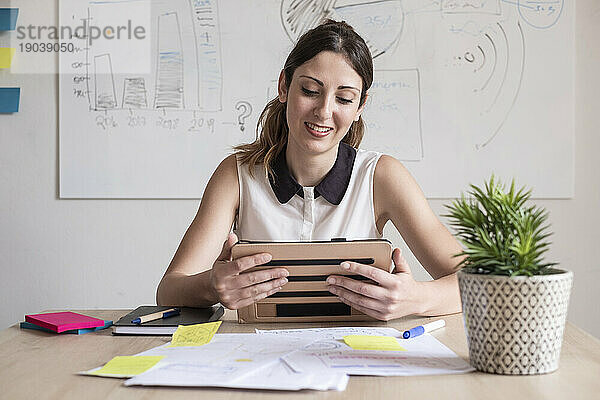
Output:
[[514, 303]]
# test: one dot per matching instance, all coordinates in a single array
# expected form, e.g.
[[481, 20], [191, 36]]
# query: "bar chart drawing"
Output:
[[208, 54], [106, 98], [134, 93], [185, 68], [169, 76]]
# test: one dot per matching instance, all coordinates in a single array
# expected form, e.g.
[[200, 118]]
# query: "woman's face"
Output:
[[322, 102]]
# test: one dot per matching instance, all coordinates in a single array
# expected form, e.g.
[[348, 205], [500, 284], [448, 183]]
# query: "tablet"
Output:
[[305, 297]]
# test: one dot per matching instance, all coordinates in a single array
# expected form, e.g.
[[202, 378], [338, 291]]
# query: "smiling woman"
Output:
[[323, 101], [305, 179]]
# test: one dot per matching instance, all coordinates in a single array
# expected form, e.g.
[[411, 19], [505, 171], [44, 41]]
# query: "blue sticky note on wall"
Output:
[[9, 100], [8, 19]]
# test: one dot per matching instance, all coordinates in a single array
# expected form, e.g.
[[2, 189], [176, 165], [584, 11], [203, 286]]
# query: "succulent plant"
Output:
[[501, 234]]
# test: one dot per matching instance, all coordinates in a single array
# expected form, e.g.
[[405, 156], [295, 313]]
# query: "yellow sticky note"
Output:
[[6, 56], [127, 366], [194, 335], [367, 342]]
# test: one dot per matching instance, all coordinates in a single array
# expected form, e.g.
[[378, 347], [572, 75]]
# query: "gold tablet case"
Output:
[[305, 297]]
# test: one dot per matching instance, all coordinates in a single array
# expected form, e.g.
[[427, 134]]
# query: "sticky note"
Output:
[[127, 366], [6, 56], [367, 342], [194, 335], [9, 100], [80, 331], [64, 321], [8, 19]]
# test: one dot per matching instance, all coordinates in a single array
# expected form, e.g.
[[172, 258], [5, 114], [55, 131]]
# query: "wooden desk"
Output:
[[38, 365]]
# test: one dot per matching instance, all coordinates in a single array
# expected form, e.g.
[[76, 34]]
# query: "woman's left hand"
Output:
[[397, 294]]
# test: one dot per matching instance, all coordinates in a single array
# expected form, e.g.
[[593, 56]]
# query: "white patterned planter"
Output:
[[515, 325]]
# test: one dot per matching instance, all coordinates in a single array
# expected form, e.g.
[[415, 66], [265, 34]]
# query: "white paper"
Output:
[[424, 355], [237, 361], [332, 333], [277, 376]]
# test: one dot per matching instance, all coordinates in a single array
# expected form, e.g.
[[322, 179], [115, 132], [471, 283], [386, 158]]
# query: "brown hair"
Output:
[[272, 129]]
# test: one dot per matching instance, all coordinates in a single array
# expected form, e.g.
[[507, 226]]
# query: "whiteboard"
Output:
[[462, 88]]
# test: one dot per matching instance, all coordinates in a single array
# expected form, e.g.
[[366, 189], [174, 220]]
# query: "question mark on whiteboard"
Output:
[[245, 110]]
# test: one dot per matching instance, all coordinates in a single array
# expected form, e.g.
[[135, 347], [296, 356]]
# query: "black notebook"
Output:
[[165, 326]]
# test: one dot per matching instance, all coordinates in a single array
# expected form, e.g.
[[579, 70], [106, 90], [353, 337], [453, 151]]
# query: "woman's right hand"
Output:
[[235, 289]]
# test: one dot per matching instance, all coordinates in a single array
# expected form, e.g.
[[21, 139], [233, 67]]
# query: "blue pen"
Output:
[[157, 315], [421, 329]]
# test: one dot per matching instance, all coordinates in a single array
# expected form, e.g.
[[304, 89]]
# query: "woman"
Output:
[[303, 179]]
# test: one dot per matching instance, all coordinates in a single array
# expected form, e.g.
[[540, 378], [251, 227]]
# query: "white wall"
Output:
[[58, 254]]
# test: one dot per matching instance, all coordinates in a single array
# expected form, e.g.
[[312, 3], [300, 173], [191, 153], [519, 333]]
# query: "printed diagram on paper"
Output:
[[424, 355], [295, 359], [237, 361], [227, 357]]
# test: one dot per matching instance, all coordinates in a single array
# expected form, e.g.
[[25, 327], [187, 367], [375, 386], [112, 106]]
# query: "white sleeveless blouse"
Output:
[[262, 217]]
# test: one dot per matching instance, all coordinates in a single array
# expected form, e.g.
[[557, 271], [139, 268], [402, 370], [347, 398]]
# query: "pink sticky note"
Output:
[[64, 321]]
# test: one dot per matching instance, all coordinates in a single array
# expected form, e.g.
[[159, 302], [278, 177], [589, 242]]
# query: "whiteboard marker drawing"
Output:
[[106, 97], [245, 110], [169, 90], [134, 93], [379, 22], [457, 83]]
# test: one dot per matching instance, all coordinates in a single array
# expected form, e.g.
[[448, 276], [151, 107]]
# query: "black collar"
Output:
[[332, 187]]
